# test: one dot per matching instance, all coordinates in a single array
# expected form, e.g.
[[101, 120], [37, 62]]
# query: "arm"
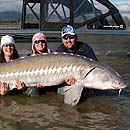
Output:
[[20, 85], [92, 55], [89, 52], [4, 88], [60, 48], [38, 85], [70, 81]]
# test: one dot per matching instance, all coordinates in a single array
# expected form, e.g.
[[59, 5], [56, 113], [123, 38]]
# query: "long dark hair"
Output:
[[15, 55]]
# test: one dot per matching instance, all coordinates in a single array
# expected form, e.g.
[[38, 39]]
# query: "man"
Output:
[[71, 45]]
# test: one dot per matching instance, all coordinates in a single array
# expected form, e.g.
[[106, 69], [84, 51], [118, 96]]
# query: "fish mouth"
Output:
[[121, 87]]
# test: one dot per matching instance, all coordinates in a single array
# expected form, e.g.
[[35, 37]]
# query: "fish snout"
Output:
[[119, 85]]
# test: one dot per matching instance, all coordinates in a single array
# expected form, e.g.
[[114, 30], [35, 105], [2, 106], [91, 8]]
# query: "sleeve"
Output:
[[59, 49], [92, 54], [88, 52]]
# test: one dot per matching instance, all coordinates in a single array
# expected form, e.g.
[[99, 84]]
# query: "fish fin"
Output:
[[73, 93], [66, 88]]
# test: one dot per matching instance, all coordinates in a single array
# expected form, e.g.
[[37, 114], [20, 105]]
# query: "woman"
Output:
[[39, 46], [8, 53], [8, 50]]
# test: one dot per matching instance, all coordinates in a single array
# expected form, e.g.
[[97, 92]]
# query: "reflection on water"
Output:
[[18, 112]]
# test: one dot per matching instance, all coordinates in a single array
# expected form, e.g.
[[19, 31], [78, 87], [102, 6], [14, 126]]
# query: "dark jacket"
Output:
[[82, 49]]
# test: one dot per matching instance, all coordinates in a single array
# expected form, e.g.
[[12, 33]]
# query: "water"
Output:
[[48, 112]]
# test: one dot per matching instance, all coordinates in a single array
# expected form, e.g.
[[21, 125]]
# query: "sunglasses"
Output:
[[9, 45], [70, 37], [38, 41]]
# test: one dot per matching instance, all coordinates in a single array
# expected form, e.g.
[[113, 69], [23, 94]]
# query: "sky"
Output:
[[123, 6]]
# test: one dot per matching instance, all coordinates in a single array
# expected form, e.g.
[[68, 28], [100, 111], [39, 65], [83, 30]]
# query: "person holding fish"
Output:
[[39, 46], [71, 45], [8, 53]]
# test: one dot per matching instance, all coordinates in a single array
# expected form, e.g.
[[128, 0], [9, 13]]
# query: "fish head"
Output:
[[104, 78], [116, 79]]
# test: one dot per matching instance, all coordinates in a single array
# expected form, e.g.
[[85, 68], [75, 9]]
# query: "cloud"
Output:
[[9, 5], [16, 5], [123, 6]]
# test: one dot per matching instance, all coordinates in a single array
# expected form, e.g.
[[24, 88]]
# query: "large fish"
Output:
[[53, 69]]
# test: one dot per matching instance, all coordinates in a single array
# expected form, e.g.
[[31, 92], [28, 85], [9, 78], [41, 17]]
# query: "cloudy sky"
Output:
[[123, 6]]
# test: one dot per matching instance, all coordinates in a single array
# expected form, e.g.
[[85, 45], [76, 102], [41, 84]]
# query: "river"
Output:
[[48, 112]]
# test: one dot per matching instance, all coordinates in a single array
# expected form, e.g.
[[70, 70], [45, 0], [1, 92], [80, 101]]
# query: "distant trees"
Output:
[[127, 20]]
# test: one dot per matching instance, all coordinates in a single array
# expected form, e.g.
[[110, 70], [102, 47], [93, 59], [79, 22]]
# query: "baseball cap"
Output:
[[7, 39], [67, 30]]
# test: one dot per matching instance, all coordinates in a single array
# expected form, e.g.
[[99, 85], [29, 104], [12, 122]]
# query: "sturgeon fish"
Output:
[[52, 69]]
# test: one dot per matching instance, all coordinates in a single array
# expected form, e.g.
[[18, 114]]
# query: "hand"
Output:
[[20, 85], [38, 85], [70, 81], [4, 88]]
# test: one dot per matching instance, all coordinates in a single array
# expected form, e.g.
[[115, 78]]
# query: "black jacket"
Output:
[[82, 49]]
